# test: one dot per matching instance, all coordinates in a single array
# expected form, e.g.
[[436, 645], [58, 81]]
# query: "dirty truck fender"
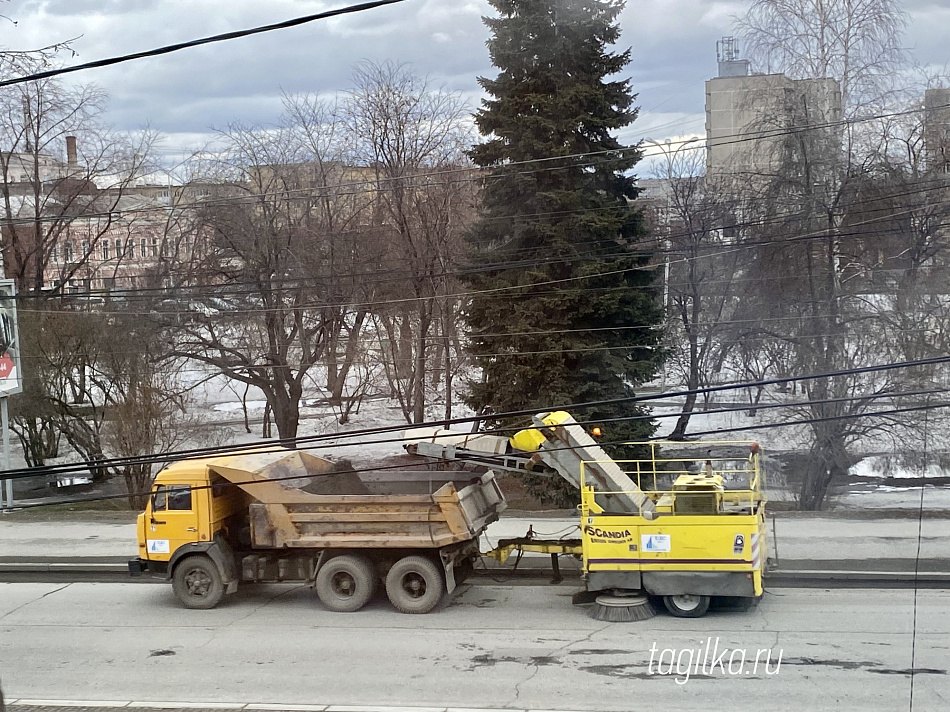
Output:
[[219, 551]]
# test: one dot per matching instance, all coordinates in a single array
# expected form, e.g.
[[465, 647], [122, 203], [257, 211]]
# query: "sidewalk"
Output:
[[814, 543]]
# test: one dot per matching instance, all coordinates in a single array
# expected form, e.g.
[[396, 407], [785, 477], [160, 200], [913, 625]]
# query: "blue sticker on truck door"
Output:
[[655, 543]]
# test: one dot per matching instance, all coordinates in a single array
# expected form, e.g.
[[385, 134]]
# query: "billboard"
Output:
[[11, 377]]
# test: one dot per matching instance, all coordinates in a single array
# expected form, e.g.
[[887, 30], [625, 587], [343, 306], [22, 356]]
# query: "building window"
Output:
[[130, 248], [105, 249], [68, 251], [144, 246], [54, 254], [118, 248], [154, 247], [85, 248]]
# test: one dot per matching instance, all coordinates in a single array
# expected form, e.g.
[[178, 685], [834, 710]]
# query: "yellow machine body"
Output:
[[707, 534]]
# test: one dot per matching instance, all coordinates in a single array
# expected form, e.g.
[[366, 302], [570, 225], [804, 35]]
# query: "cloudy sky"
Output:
[[187, 94]]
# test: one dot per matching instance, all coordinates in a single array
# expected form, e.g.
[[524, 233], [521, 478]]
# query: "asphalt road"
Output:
[[499, 646]]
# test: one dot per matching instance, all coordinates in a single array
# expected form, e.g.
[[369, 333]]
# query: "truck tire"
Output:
[[197, 582], [687, 606], [346, 583], [415, 584]]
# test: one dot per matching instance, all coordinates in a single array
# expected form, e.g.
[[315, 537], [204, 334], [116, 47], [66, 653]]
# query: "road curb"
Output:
[[778, 578], [33, 704]]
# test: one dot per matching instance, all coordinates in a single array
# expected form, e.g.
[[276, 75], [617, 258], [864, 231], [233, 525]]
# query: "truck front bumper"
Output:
[[137, 567]]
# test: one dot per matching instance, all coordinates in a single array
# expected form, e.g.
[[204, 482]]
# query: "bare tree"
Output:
[[150, 416], [412, 137], [63, 174], [278, 263], [847, 223], [857, 42], [106, 386], [700, 277], [49, 204], [344, 212]]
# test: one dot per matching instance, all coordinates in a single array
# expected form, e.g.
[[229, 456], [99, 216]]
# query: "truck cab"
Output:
[[190, 510]]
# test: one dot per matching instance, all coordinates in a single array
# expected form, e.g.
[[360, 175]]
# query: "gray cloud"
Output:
[[183, 94]]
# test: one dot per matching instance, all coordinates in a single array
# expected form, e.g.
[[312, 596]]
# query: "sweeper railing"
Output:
[[733, 479]]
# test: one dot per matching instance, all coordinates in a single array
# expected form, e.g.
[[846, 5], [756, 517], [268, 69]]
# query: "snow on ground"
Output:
[[884, 497], [880, 466], [237, 408], [217, 403], [736, 425]]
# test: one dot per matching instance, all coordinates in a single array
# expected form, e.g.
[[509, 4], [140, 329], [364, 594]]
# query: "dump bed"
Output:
[[297, 500]]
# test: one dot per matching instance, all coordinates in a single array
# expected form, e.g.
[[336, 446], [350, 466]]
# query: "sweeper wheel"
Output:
[[687, 605]]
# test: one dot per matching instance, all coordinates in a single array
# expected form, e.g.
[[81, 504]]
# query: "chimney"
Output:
[[27, 125], [71, 159]]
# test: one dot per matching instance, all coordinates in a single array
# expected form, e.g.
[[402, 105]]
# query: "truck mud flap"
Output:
[[449, 576], [455, 556]]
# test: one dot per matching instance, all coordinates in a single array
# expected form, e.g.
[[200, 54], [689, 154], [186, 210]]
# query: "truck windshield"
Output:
[[174, 497]]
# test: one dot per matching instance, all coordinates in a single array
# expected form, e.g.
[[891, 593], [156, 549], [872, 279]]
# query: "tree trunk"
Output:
[[827, 460], [419, 369], [286, 409], [336, 379], [692, 383]]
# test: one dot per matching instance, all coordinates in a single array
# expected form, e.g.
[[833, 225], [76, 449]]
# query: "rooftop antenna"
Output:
[[727, 49], [727, 52]]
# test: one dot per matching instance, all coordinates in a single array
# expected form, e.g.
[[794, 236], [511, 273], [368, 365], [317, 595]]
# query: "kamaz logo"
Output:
[[594, 531]]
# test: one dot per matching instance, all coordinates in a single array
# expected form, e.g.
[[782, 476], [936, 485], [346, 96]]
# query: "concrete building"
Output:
[[749, 116]]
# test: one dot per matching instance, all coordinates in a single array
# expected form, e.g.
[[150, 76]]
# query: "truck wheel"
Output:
[[346, 583], [415, 585], [687, 605], [197, 582]]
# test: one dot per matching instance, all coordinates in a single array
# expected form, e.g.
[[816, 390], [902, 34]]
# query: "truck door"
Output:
[[173, 521]]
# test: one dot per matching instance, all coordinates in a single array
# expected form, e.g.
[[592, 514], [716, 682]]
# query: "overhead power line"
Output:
[[396, 468], [306, 441], [167, 49], [830, 418], [373, 184]]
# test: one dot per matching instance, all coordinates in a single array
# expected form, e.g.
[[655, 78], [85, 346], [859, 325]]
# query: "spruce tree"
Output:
[[571, 313]]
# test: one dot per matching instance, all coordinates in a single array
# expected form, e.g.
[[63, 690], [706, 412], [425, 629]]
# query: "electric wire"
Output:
[[719, 431], [818, 234], [307, 441], [323, 192], [198, 42]]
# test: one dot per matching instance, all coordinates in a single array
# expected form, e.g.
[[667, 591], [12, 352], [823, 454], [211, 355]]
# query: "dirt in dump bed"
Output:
[[343, 479]]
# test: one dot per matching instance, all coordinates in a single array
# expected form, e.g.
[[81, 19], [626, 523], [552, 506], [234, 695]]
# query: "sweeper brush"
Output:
[[622, 609]]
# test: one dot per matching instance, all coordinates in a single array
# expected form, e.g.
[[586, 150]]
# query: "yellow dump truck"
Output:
[[285, 515]]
